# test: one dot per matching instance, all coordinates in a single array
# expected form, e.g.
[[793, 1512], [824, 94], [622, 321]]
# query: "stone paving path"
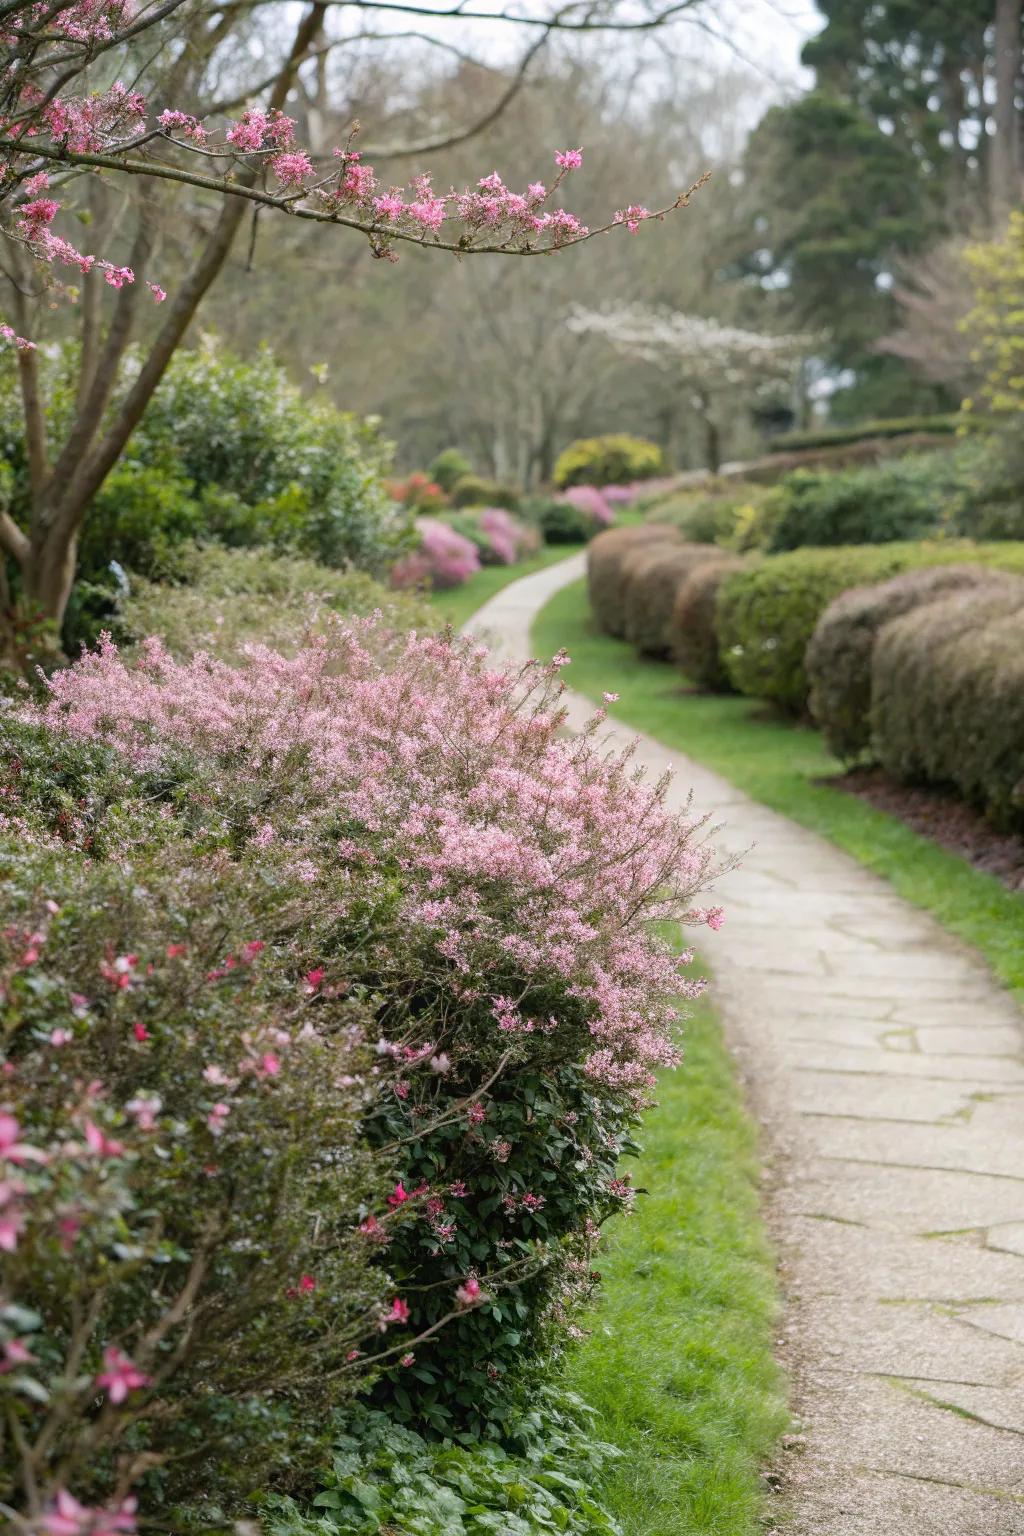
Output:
[[887, 1068]]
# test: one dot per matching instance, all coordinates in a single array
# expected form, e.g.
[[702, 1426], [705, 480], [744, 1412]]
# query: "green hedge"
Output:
[[838, 659], [693, 636], [654, 578], [903, 499], [835, 437], [767, 615], [608, 570], [948, 698]]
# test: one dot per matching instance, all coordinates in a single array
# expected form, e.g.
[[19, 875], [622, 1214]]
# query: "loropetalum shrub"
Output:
[[947, 697], [182, 1277], [608, 569], [838, 658], [444, 558], [767, 615], [655, 576], [615, 459], [223, 600], [485, 887], [692, 627]]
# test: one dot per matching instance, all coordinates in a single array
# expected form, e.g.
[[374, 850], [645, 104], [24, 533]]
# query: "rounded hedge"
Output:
[[767, 615], [606, 573], [655, 575], [693, 632], [838, 659], [948, 697], [615, 459], [475, 491]]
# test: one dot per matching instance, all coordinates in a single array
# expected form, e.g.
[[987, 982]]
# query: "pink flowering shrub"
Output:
[[442, 559], [592, 503], [479, 884], [499, 537], [182, 1277]]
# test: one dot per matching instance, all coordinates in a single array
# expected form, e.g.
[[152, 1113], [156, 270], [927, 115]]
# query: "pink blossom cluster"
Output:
[[626, 495], [508, 536], [517, 848], [443, 559], [593, 503]]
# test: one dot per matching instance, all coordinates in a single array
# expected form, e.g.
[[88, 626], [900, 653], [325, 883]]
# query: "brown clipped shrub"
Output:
[[838, 657], [693, 636], [654, 576], [947, 697], [606, 555]]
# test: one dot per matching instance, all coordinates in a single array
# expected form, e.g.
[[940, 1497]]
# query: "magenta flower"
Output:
[[399, 1311], [216, 1118], [11, 1148], [398, 1196], [569, 159], [121, 1376], [469, 1292]]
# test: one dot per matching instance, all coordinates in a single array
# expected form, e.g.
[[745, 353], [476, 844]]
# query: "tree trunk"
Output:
[[1005, 156]]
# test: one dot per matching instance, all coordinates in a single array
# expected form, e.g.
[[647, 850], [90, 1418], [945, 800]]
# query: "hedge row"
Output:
[[837, 437]]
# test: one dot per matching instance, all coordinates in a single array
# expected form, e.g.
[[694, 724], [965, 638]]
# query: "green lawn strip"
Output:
[[779, 764], [458, 604], [678, 1364]]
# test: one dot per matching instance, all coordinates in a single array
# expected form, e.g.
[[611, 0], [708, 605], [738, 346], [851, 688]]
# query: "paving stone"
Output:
[[886, 1067]]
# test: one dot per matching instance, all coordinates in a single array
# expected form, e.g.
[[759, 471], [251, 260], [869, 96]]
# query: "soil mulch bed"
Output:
[[943, 818]]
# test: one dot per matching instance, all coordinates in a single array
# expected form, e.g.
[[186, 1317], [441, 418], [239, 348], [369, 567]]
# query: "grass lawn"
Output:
[[779, 764], [679, 1360], [460, 603]]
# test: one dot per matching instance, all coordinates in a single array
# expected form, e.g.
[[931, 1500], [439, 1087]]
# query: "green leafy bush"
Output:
[[608, 569], [948, 698], [730, 514], [904, 499], [213, 1161], [223, 600], [832, 437], [767, 615], [692, 627], [450, 466], [615, 459], [838, 659], [560, 522], [475, 491], [654, 578], [386, 1477]]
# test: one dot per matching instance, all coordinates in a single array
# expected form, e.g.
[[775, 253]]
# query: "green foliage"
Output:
[[616, 459], [839, 655], [386, 1477], [692, 628], [224, 599], [947, 697], [450, 466], [903, 499], [725, 514], [767, 615], [559, 522], [475, 491], [836, 436]]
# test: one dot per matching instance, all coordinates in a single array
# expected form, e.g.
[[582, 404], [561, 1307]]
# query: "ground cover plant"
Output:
[[787, 767], [473, 885]]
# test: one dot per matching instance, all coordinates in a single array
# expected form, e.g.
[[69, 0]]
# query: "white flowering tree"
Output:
[[94, 172], [708, 362]]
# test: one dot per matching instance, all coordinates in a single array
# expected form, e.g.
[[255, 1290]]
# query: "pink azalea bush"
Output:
[[368, 898], [510, 539], [442, 559], [592, 502]]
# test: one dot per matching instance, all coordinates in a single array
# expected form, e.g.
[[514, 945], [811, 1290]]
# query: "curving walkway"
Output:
[[887, 1068]]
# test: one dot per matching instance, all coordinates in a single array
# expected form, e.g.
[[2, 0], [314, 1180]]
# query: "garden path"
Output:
[[887, 1069]]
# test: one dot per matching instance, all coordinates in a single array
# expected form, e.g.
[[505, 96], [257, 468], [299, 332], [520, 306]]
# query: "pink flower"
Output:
[[117, 277], [67, 1517], [11, 1148], [248, 133], [216, 1076], [632, 217], [305, 1287], [407, 1359], [399, 1311], [12, 1225], [99, 1143], [469, 1292], [173, 951], [314, 978], [61, 1037], [476, 1114], [144, 1110], [610, 698], [270, 1065], [216, 1118], [16, 1353], [569, 159], [158, 293], [121, 1375], [140, 1032], [292, 169], [398, 1196], [388, 207]]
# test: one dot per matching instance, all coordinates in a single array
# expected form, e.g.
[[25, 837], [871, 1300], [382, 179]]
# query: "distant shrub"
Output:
[[832, 437], [418, 492], [607, 572], [948, 698], [724, 513], [654, 576], [641, 494], [499, 537], [559, 521], [692, 627], [838, 659], [475, 491], [615, 459], [443, 558], [767, 615], [592, 502], [449, 468], [904, 499], [223, 600]]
